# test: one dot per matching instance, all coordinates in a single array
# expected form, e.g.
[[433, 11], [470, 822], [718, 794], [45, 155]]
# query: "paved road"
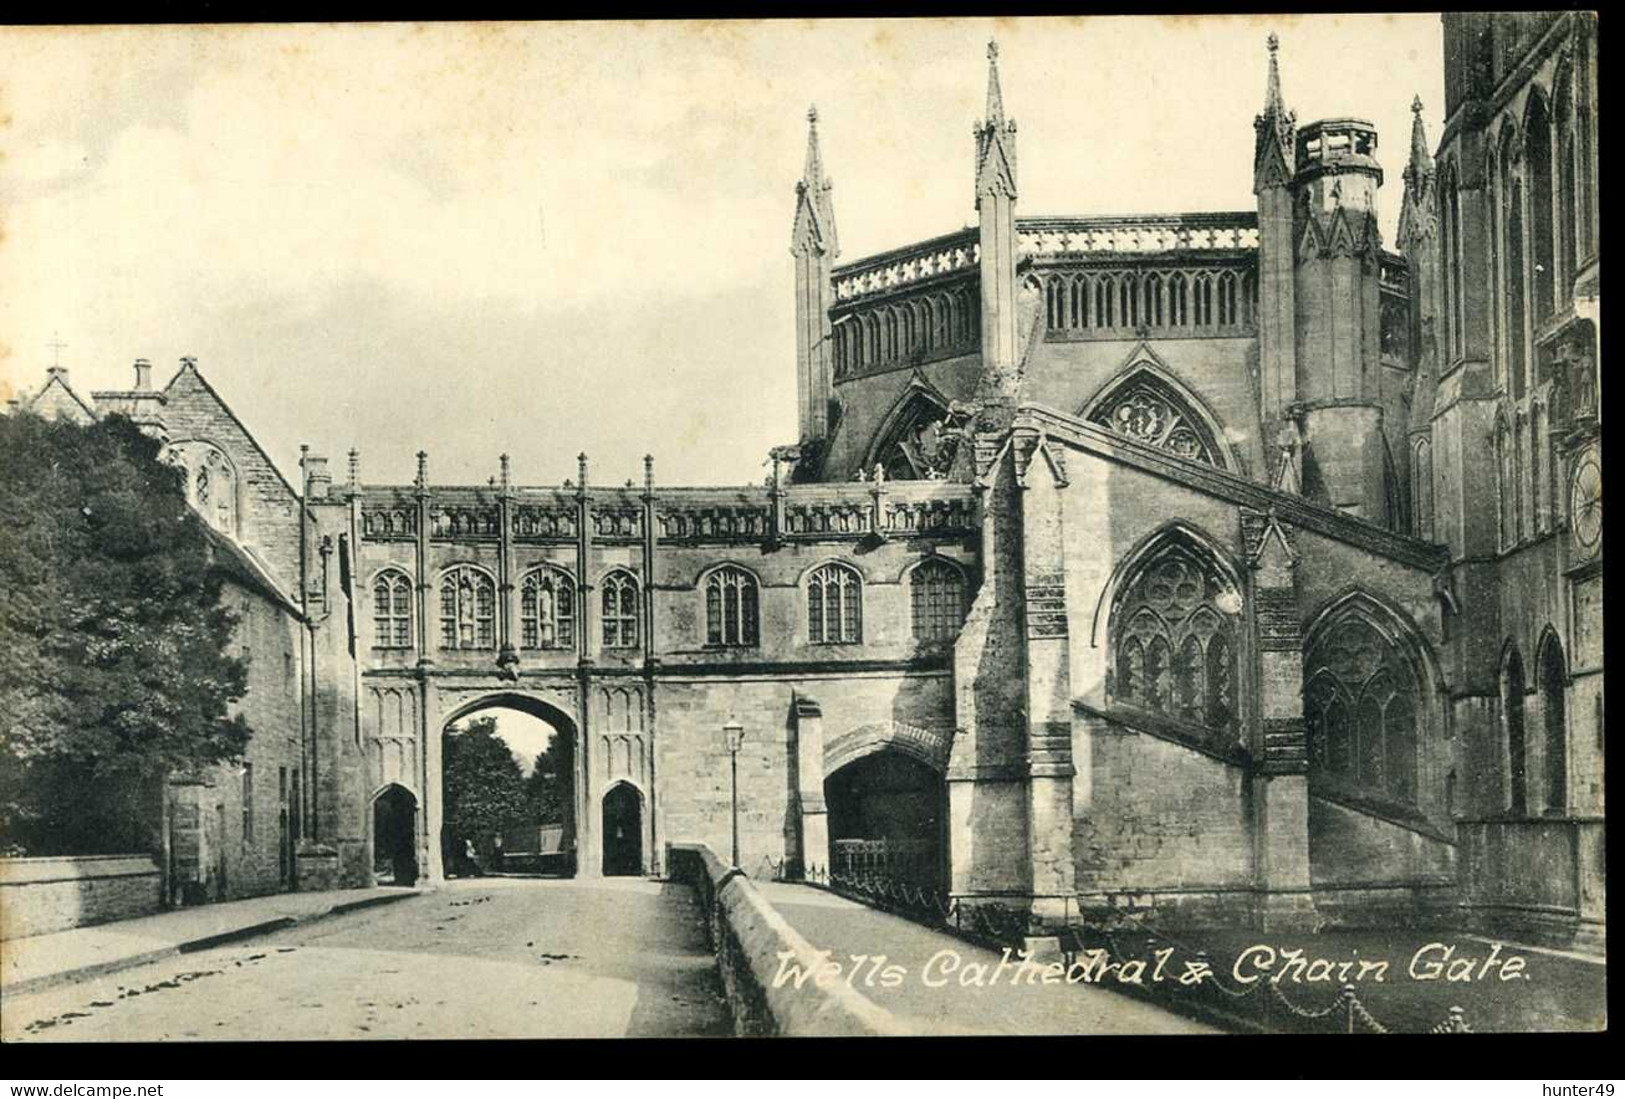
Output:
[[492, 958]]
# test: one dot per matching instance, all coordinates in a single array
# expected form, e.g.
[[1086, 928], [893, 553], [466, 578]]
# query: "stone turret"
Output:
[[996, 214], [814, 245]]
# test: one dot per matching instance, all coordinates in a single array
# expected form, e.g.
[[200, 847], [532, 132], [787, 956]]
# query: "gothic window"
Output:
[[1361, 709], [1507, 487], [1105, 301], [1519, 464], [1174, 641], [547, 610], [1147, 409], [1538, 161], [945, 317], [1250, 288], [1078, 294], [1516, 276], [1202, 299], [1228, 311], [1178, 316], [1055, 304], [1568, 251], [921, 444], [211, 484], [1128, 301], [1512, 712], [1153, 300], [392, 610], [936, 592], [1553, 707], [468, 609], [730, 607], [871, 340], [620, 606], [834, 606], [1422, 491]]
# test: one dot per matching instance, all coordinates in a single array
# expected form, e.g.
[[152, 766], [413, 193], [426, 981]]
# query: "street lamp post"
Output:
[[735, 732]]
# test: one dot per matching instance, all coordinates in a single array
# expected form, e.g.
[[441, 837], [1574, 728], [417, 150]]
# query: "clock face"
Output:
[[1585, 504]]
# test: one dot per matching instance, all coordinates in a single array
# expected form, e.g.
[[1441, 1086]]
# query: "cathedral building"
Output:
[[1236, 568]]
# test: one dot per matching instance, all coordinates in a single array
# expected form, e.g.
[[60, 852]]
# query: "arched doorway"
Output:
[[395, 836], [623, 831], [509, 778], [886, 818]]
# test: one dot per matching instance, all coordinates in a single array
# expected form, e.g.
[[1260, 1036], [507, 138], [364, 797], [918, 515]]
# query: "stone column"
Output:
[[589, 854], [508, 581], [1281, 781], [813, 813], [429, 789]]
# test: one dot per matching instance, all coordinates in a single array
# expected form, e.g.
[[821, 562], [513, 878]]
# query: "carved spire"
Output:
[[995, 139], [995, 98], [1421, 160], [1416, 214], [814, 226], [1273, 154]]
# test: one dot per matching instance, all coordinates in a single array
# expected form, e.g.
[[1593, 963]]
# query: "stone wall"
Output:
[[39, 896], [751, 941]]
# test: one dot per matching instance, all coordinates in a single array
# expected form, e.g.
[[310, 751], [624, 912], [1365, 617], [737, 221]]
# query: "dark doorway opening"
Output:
[[394, 837], [623, 831], [886, 819]]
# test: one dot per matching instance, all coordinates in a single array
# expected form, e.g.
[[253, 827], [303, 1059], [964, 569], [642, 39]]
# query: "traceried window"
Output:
[[936, 591], [1361, 707], [392, 610], [834, 606], [547, 610], [211, 484], [1174, 641], [1147, 409], [730, 607], [468, 609], [620, 610]]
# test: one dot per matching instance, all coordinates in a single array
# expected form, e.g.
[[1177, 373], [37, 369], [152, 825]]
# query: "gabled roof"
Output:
[[60, 378], [245, 569], [189, 366]]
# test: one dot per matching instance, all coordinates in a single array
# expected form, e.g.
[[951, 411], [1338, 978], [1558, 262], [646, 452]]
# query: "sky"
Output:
[[551, 238]]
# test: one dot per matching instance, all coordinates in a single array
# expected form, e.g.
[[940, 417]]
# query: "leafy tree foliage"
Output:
[[114, 668], [551, 785], [485, 788]]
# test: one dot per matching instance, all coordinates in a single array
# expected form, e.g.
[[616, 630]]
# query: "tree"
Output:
[[485, 789], [550, 789], [114, 647]]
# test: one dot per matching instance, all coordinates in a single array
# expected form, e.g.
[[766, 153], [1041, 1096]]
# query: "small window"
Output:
[[391, 610], [730, 607], [835, 606], [937, 599], [620, 607]]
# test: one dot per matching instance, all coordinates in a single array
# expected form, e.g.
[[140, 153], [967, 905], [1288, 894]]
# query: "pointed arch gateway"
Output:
[[1145, 402]]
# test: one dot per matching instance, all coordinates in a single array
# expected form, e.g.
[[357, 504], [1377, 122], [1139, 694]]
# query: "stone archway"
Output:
[[393, 830], [579, 826], [887, 802], [623, 831]]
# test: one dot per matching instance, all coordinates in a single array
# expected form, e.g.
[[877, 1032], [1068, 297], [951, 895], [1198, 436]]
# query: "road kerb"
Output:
[[191, 946]]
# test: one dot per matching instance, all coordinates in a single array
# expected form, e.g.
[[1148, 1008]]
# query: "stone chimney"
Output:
[[317, 480], [143, 375]]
